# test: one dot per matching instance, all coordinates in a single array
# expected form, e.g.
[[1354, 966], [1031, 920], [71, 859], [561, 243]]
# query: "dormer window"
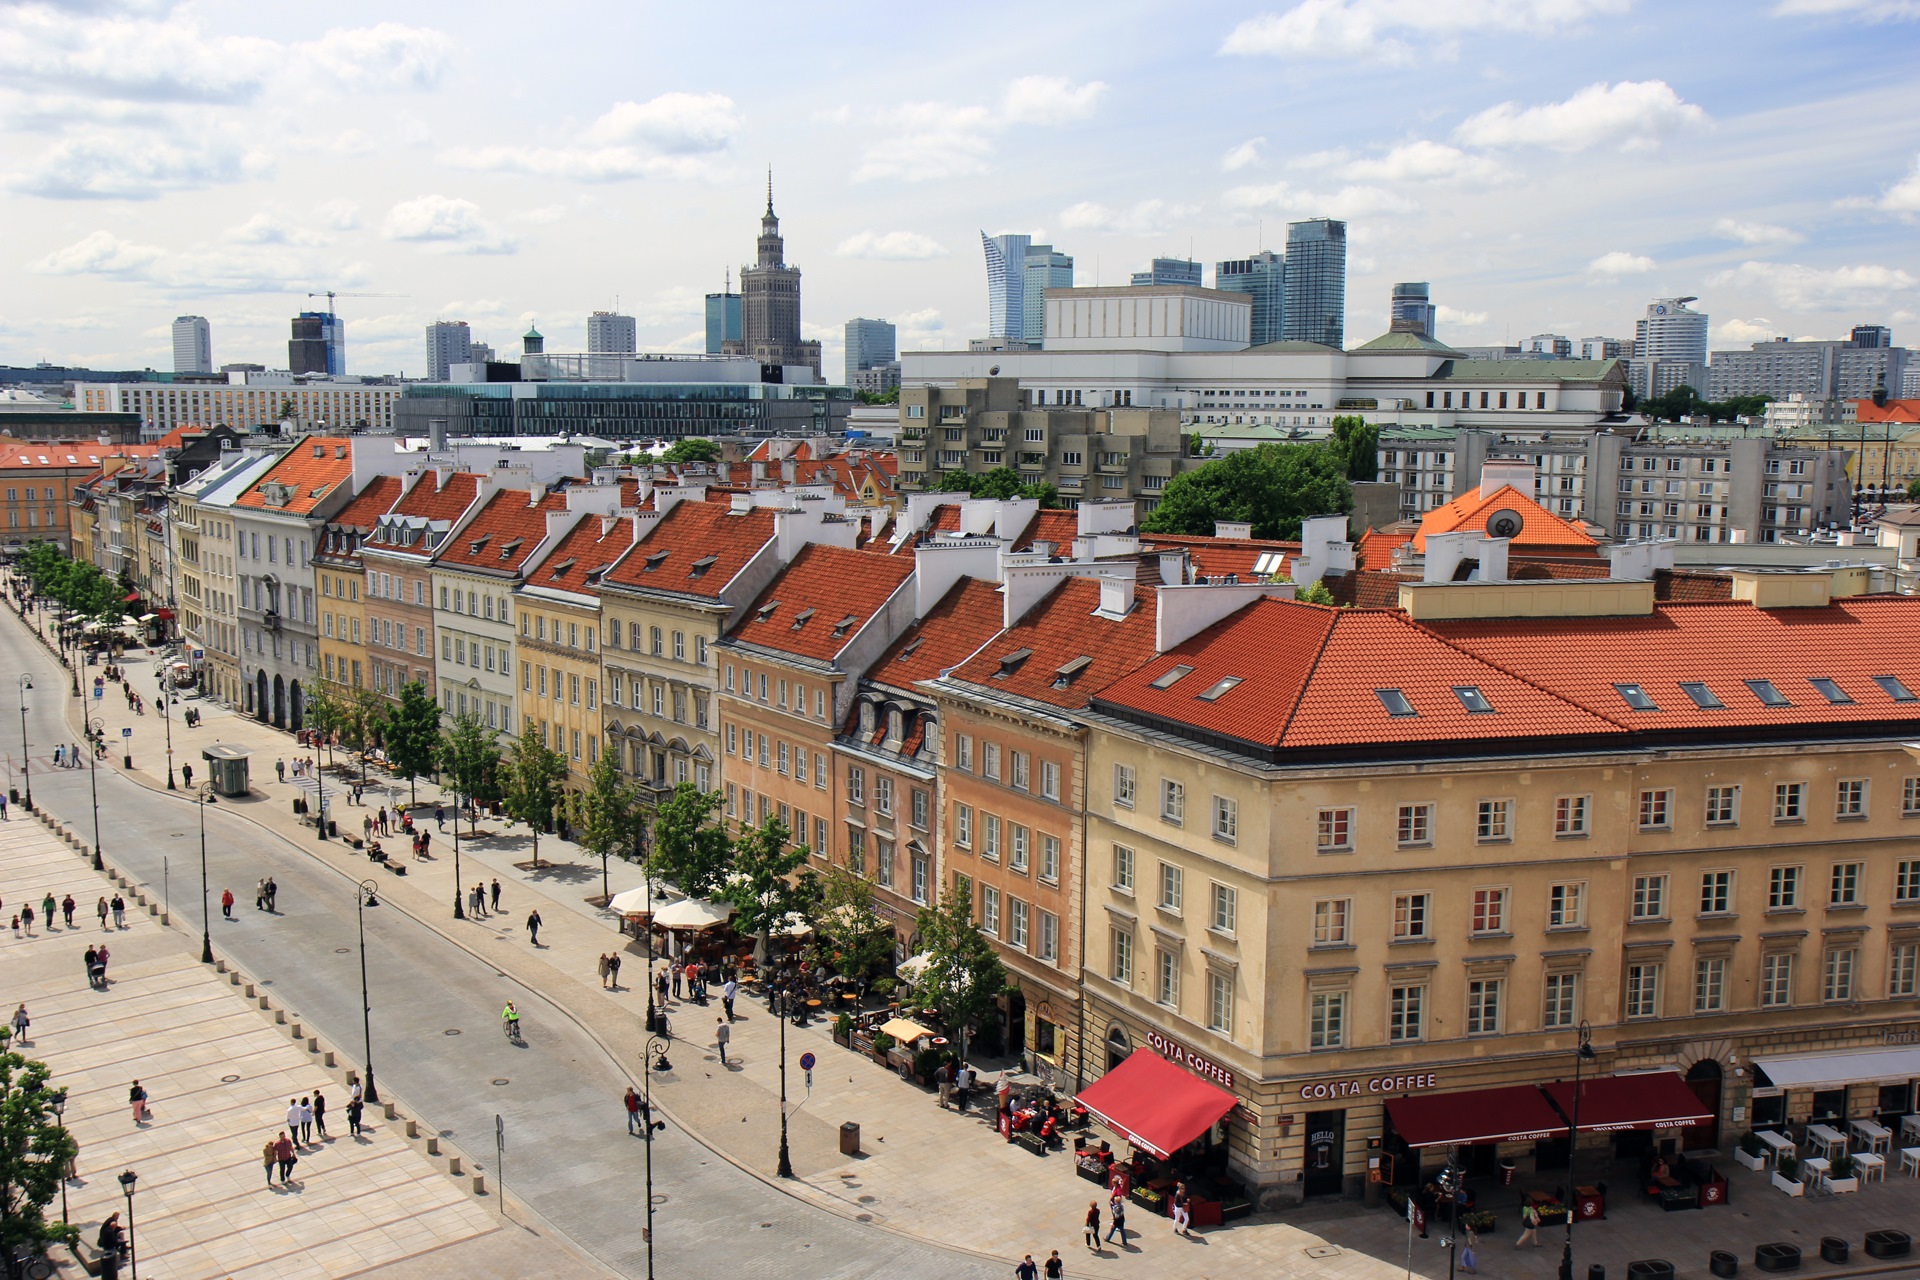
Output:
[[908, 652], [559, 570], [800, 618], [1063, 675], [765, 611], [655, 560], [701, 565], [473, 548], [1011, 662]]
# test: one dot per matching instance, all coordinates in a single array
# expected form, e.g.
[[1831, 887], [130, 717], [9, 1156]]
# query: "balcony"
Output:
[[270, 620]]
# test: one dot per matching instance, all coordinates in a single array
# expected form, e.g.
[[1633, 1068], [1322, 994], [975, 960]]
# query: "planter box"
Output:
[[1841, 1186], [1789, 1186], [1756, 1163], [1152, 1201], [1777, 1257], [1032, 1142], [1888, 1244]]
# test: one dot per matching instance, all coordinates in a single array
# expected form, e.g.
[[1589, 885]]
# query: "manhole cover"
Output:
[[229, 1079], [765, 1225], [1323, 1251], [341, 951], [863, 1217], [451, 1031], [868, 1199], [500, 1080]]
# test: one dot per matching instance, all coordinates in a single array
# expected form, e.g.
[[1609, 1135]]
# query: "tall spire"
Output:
[[769, 191]]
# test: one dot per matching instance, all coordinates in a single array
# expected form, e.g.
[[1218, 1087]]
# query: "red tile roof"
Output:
[[1217, 557], [33, 454], [1056, 634], [429, 499], [370, 503], [593, 543], [963, 620], [1470, 511], [696, 549], [1895, 411], [819, 602], [1374, 552], [309, 478], [503, 533]]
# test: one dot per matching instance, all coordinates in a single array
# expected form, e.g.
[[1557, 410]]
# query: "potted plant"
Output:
[[1552, 1214], [1786, 1175], [881, 1043], [1752, 1153], [1840, 1177], [843, 1029], [1481, 1220]]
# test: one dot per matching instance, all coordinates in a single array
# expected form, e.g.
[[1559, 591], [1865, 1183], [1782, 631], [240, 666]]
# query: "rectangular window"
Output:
[[1330, 922], [1017, 923], [1723, 806], [1122, 867], [1122, 971], [1649, 897], [1048, 935], [1836, 978], [1561, 1007], [989, 910], [1328, 1023], [1017, 840], [1220, 1003], [1335, 831], [1489, 910], [963, 752], [1411, 914], [963, 825], [1643, 991], [990, 837], [883, 795], [1483, 1006], [1910, 798], [1850, 799], [1173, 801], [1166, 982], [1903, 969], [819, 772], [1415, 825], [1226, 819], [856, 785], [919, 818], [1783, 889], [1171, 886], [1226, 908], [1716, 893], [1020, 766], [1570, 815], [1567, 905], [1656, 810], [1123, 785], [1790, 802], [919, 879], [1495, 821], [1843, 886], [1776, 979], [1049, 780], [1710, 984], [990, 760], [1406, 1014], [1906, 880]]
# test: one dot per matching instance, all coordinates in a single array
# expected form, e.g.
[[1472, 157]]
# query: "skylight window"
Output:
[[1169, 678], [1702, 696], [1011, 663], [1219, 690], [1896, 690], [1830, 690], [1472, 699], [765, 611], [1395, 702], [1270, 562], [1770, 696], [1636, 697]]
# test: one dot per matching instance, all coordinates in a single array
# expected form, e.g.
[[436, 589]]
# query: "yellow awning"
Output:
[[904, 1031]]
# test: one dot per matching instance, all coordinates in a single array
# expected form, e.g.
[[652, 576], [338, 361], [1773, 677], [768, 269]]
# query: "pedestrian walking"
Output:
[[284, 1156], [675, 969], [1055, 1267], [1093, 1227], [268, 1159], [280, 768], [1529, 1227], [119, 905], [613, 970], [320, 1112], [67, 907], [26, 917], [660, 986], [47, 907], [94, 972], [426, 840], [260, 895], [380, 821], [57, 753], [226, 903], [440, 815], [496, 895], [3, 808], [186, 775], [306, 1122], [100, 909], [1117, 1209], [293, 1118], [1470, 1253], [605, 968], [20, 1024], [944, 1079], [1026, 1269], [721, 1034], [137, 1099], [366, 828], [533, 926], [633, 1111], [103, 955], [728, 990], [355, 1109], [273, 891]]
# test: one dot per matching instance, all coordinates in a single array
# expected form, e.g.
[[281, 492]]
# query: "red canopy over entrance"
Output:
[[1609, 1104], [1155, 1105], [1516, 1113]]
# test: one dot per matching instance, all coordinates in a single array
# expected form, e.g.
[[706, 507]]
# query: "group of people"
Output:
[[96, 960], [307, 1116], [65, 907], [303, 767], [478, 899], [264, 894], [609, 967], [68, 756]]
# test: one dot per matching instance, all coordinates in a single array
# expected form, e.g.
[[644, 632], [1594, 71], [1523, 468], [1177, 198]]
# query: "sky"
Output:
[[1548, 165]]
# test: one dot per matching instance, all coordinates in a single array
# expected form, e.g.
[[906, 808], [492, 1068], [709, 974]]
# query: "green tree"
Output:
[[1045, 493], [1913, 488], [878, 397], [324, 710], [470, 756], [963, 975], [954, 482], [609, 810], [1314, 592], [35, 1154], [1357, 444], [849, 933], [1196, 445], [767, 882], [533, 773], [690, 847], [362, 717], [1274, 486], [1001, 483], [413, 734], [691, 449]]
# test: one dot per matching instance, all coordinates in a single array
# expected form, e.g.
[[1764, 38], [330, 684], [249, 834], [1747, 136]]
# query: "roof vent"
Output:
[[319, 450], [1063, 674], [560, 569], [1011, 662], [765, 611], [655, 560], [700, 566], [800, 618], [845, 625]]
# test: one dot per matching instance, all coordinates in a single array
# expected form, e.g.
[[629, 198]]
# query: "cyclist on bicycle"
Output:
[[510, 1020]]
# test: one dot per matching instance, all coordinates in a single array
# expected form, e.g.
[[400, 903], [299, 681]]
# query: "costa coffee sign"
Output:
[[1175, 1052], [1359, 1086]]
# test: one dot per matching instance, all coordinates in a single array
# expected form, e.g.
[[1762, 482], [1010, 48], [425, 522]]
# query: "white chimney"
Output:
[[1233, 528], [1324, 549], [1185, 611], [1116, 597], [1638, 561], [1517, 472], [1116, 516], [1173, 568], [741, 503], [1447, 551], [938, 565]]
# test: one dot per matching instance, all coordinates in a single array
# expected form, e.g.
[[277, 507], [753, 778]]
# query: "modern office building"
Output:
[[1047, 268], [1606, 349], [1170, 271], [724, 318], [1316, 307], [256, 401], [1263, 278], [1006, 285], [1412, 302], [192, 345], [1669, 348], [318, 344], [610, 333], [870, 344], [770, 302], [1871, 335], [449, 342], [1847, 369]]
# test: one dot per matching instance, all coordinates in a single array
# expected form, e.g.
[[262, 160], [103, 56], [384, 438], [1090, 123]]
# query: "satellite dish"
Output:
[[1504, 523], [994, 372]]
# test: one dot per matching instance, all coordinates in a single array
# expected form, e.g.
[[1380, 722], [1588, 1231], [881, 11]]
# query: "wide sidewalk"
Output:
[[934, 1175]]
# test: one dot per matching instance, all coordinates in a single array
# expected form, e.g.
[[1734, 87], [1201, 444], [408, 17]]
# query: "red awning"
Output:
[[1515, 1113], [1609, 1104], [1155, 1105], [163, 613], [133, 595]]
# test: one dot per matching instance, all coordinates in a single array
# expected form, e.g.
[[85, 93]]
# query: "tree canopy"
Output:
[[1001, 482], [691, 449], [849, 934], [1357, 443], [76, 585], [469, 755], [1273, 486], [1684, 402], [690, 847], [762, 884], [35, 1152], [963, 975], [533, 773], [413, 734]]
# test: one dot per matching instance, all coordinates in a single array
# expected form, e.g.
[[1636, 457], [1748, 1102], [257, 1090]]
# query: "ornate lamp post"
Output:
[[96, 741], [656, 1060], [364, 897], [26, 759], [1581, 1056], [201, 799], [127, 1180]]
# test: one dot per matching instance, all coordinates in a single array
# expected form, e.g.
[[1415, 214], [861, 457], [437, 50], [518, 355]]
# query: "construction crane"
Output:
[[330, 295]]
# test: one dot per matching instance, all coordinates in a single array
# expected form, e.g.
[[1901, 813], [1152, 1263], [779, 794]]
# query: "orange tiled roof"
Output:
[[34, 454], [1217, 557], [819, 602], [503, 533], [429, 499], [1899, 411], [963, 620], [1056, 635], [696, 549], [594, 542], [1374, 552], [1470, 511], [370, 503], [310, 478]]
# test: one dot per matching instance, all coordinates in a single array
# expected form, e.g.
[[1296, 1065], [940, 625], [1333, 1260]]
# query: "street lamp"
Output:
[[1582, 1056], [166, 718], [127, 1180], [26, 760], [96, 743], [320, 799], [459, 907], [646, 863], [1449, 1184], [59, 1103], [201, 799], [655, 1060], [364, 897], [785, 1168]]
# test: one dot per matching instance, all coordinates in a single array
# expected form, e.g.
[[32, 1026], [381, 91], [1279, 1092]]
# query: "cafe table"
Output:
[[1830, 1141], [1871, 1168], [1876, 1136], [1818, 1167], [1777, 1144], [1910, 1128]]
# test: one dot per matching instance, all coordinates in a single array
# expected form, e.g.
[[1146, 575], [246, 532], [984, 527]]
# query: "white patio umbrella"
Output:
[[914, 966], [630, 902], [692, 913]]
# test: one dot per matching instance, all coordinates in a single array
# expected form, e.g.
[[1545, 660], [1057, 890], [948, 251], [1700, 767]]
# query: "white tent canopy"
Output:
[[692, 913], [914, 966], [630, 902]]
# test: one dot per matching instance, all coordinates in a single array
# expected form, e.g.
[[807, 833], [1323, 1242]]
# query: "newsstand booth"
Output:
[[1175, 1123]]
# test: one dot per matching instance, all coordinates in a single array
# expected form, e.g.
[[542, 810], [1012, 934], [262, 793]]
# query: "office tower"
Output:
[[723, 317], [318, 344], [1170, 271], [481, 353], [1046, 268], [610, 333], [1411, 301], [870, 344], [192, 345], [449, 342], [1316, 308], [1669, 348], [1554, 345], [1864, 335], [1605, 349], [1006, 285], [770, 301], [1263, 278]]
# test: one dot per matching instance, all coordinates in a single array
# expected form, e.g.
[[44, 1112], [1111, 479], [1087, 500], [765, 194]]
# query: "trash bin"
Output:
[[849, 1139]]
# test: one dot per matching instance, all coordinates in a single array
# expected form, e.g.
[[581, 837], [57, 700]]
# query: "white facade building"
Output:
[[1147, 318], [1669, 348], [192, 345], [449, 342], [248, 402]]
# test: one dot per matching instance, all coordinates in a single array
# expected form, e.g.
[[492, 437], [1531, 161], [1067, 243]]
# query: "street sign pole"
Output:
[[500, 1160]]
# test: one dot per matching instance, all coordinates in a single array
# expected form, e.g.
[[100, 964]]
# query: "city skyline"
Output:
[[1558, 166]]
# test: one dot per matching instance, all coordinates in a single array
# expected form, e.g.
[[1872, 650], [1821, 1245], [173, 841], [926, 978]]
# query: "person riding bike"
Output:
[[510, 1019]]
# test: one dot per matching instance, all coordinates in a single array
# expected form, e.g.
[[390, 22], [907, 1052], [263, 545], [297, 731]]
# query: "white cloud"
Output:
[[269, 228], [1871, 10], [387, 55], [447, 224], [1746, 331], [1755, 233], [1453, 315], [1148, 217], [675, 123], [1357, 201], [890, 246], [339, 215], [1902, 197], [920, 330], [121, 166], [1049, 100], [579, 164], [1380, 30], [1620, 263], [203, 270], [99, 254], [1416, 161], [1630, 116], [1802, 288], [1244, 156], [926, 141], [130, 58], [675, 135]]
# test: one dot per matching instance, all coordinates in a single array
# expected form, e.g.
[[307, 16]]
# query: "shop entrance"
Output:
[[1016, 1025], [1894, 1104], [1326, 1154], [1704, 1077]]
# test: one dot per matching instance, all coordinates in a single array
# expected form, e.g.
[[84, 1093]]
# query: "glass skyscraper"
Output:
[[870, 344], [318, 344], [1170, 271], [1412, 302], [1263, 278], [1047, 268], [1316, 307], [1006, 285], [723, 320]]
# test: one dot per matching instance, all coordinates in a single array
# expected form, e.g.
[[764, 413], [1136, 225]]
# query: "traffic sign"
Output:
[[127, 732], [806, 1061]]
